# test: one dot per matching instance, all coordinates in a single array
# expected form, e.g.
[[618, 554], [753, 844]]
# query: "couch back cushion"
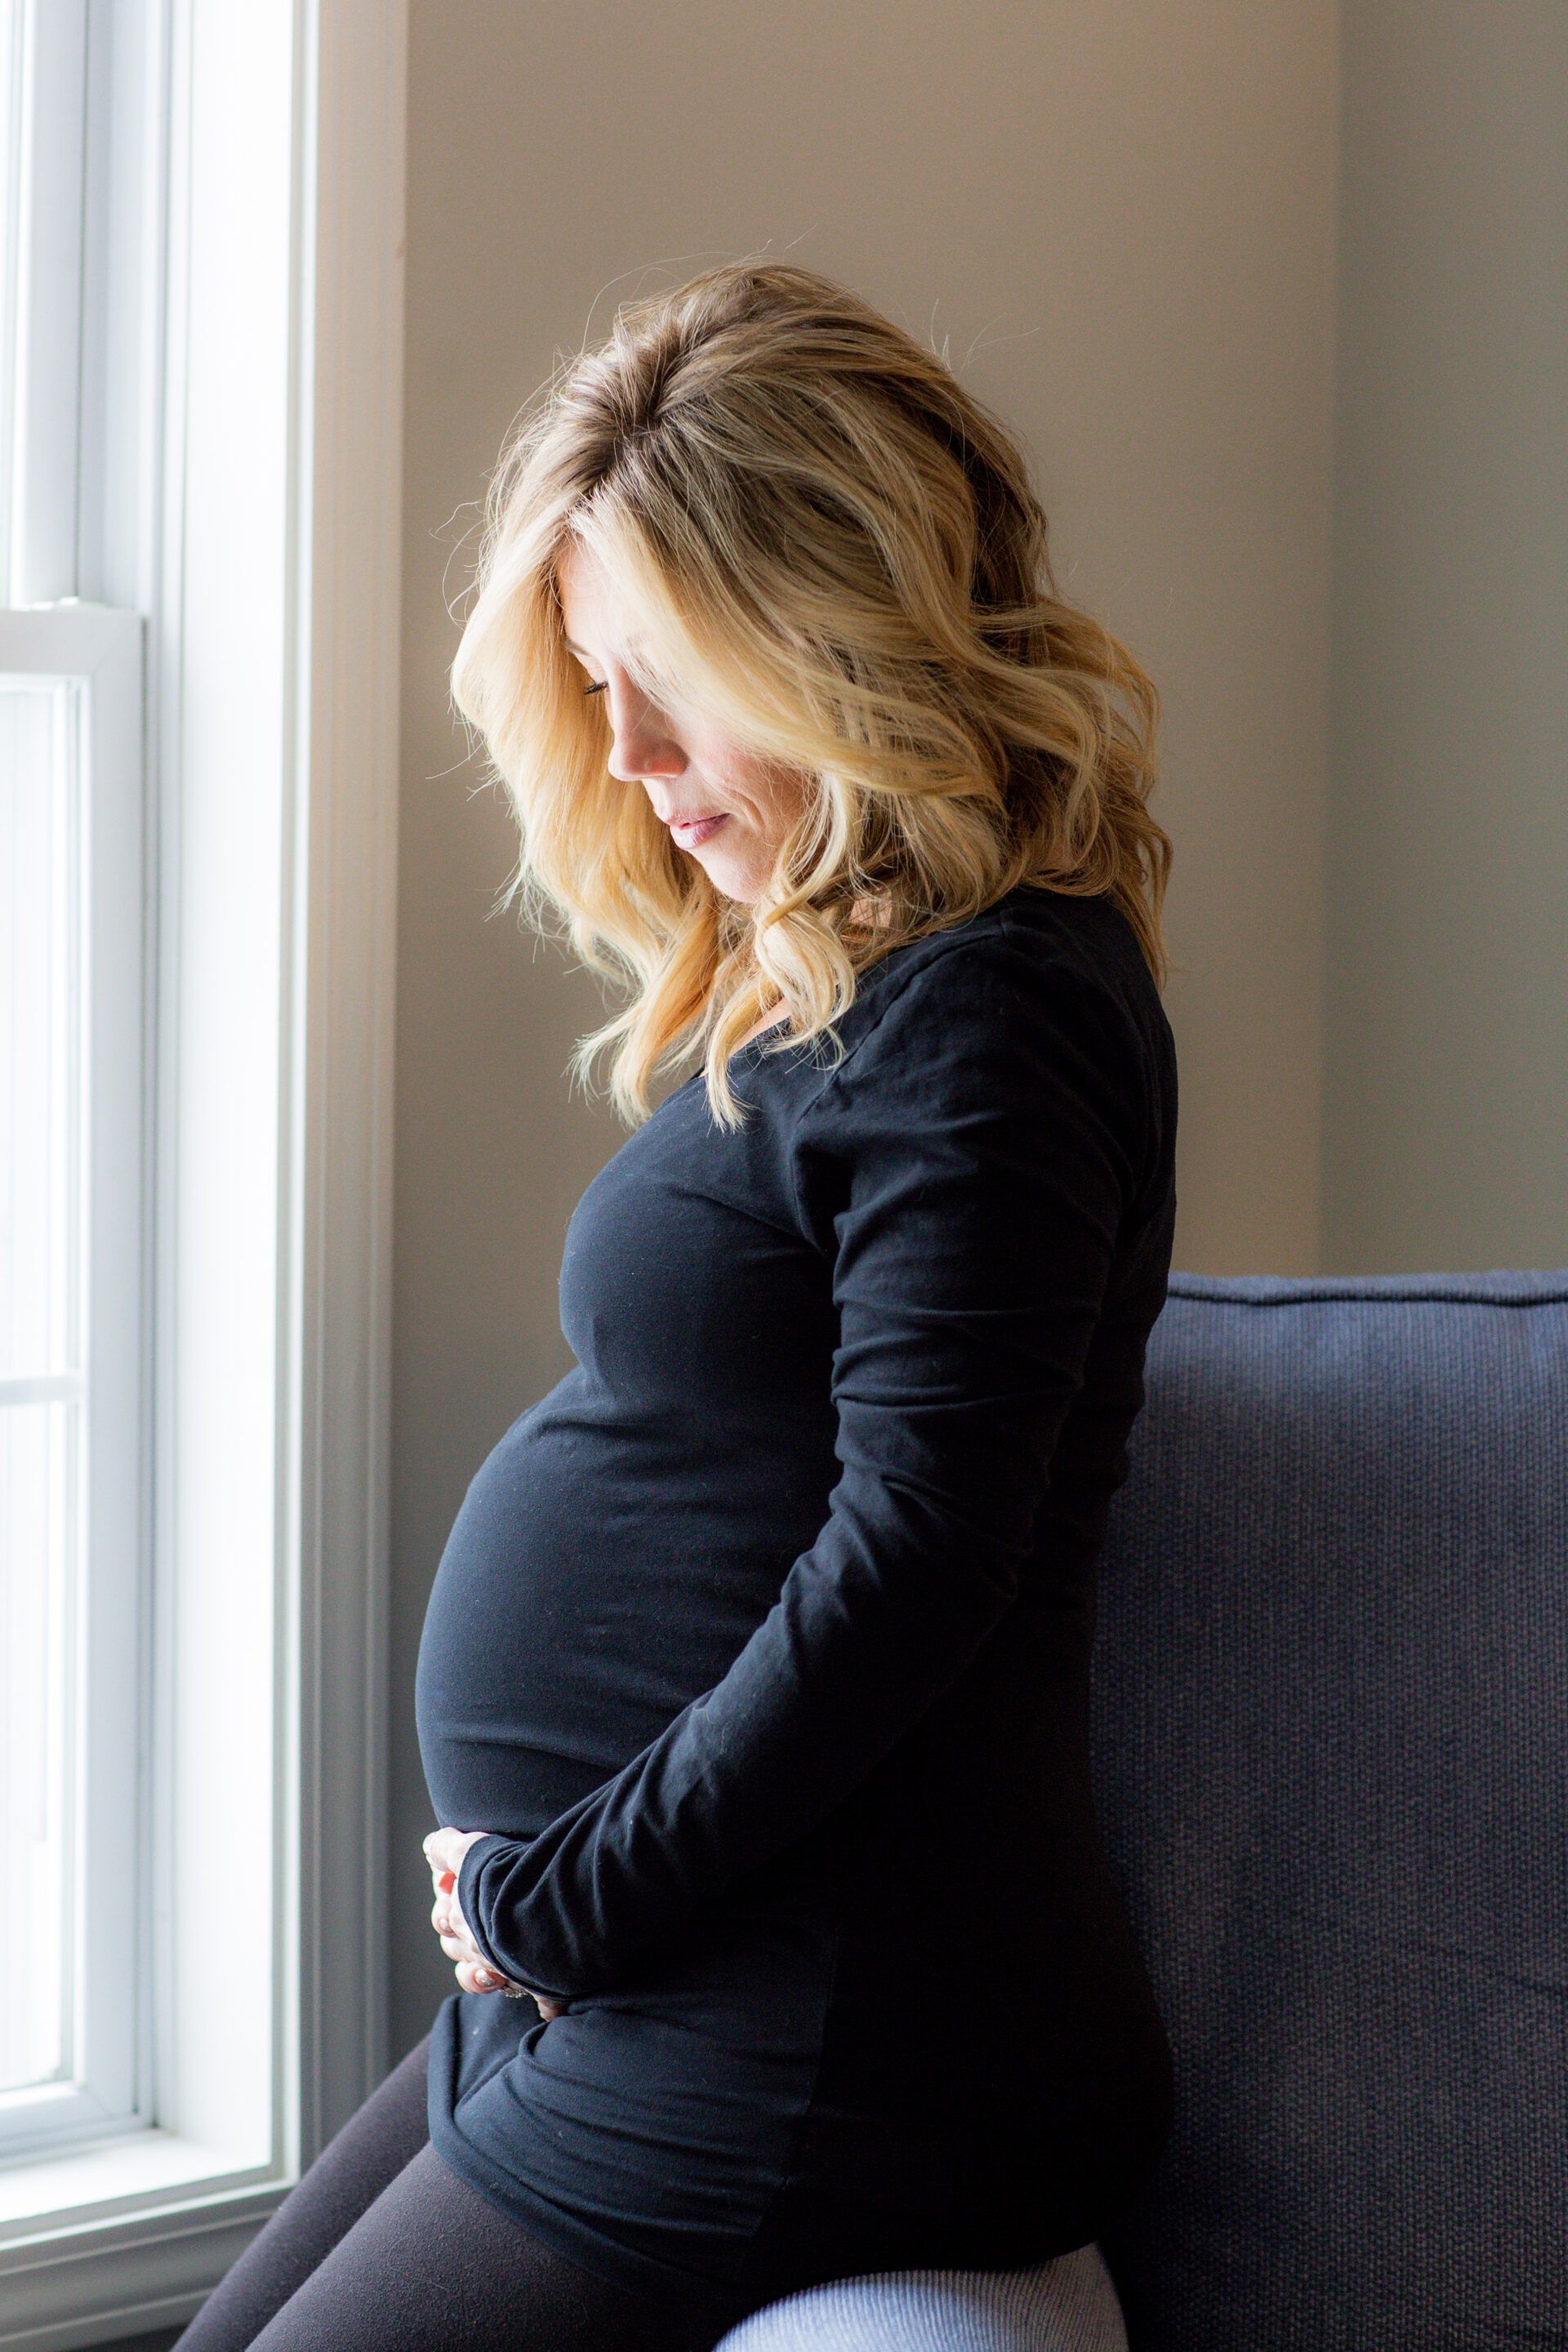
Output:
[[1331, 1694]]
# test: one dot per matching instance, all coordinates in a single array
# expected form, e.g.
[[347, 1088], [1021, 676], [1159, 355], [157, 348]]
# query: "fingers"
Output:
[[473, 1972], [456, 1941], [447, 1912], [475, 1976], [443, 1851]]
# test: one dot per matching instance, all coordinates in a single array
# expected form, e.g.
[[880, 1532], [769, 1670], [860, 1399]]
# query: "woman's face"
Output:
[[725, 806]]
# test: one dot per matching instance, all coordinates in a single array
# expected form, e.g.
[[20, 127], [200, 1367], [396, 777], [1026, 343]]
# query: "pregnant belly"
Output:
[[597, 1579]]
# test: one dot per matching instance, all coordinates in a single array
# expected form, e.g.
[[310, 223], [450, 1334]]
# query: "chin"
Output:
[[735, 882]]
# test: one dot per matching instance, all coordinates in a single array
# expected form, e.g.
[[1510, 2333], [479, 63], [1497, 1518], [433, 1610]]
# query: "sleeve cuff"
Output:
[[468, 1896]]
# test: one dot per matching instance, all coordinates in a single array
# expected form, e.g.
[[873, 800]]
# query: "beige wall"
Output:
[[1447, 1107], [1120, 216]]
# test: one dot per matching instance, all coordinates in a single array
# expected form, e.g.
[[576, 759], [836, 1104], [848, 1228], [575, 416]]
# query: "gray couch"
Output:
[[1331, 1696]]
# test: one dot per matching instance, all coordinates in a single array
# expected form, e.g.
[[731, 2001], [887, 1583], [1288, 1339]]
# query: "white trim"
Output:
[[344, 1049], [276, 633], [123, 322]]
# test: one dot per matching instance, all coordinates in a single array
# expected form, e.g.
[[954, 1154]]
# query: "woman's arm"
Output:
[[969, 1167]]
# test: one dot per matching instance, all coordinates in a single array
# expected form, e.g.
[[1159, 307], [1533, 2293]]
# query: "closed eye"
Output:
[[598, 686]]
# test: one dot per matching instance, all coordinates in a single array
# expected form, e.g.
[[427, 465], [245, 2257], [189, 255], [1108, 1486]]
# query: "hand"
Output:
[[443, 1851]]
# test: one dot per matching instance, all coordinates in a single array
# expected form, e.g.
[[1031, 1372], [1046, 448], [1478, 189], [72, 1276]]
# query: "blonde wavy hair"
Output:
[[833, 548]]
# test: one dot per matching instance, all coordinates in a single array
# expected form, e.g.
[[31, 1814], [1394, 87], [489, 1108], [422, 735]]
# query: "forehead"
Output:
[[585, 590], [600, 620]]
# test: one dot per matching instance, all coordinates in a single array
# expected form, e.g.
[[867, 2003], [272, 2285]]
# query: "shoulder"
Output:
[[1002, 1037], [1037, 965]]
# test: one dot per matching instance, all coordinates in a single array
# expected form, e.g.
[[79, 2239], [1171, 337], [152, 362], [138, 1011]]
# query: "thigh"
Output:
[[432, 2266], [350, 2174]]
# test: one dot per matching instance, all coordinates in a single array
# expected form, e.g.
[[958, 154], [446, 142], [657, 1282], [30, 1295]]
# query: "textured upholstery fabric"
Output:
[[1333, 1768], [1066, 2305]]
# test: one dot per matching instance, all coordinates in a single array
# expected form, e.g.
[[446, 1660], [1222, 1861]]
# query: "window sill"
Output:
[[122, 2237]]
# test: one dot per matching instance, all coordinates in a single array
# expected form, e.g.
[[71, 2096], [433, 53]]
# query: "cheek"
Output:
[[731, 789], [763, 795]]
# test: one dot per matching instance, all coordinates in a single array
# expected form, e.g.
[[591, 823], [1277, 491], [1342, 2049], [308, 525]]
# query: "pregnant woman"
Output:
[[754, 1692]]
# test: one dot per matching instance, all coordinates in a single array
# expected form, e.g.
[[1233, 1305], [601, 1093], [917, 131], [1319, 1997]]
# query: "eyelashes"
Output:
[[597, 688]]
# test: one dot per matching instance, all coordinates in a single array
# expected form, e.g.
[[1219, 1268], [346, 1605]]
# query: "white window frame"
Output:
[[92, 657], [238, 484]]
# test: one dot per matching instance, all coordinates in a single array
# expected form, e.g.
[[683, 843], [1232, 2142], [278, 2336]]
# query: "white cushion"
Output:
[[1066, 2305]]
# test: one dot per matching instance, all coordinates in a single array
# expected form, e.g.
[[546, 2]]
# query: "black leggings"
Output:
[[381, 2249]]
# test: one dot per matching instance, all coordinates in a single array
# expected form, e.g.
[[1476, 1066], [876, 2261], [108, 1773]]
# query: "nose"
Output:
[[641, 742]]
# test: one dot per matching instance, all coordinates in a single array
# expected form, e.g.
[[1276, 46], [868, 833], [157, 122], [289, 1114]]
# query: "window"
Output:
[[72, 1090], [200, 450], [72, 1555]]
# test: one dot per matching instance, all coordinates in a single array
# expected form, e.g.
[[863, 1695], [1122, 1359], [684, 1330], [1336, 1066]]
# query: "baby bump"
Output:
[[597, 1579]]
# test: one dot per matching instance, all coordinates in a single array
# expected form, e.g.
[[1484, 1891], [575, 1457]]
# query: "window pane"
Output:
[[10, 211], [40, 1016], [37, 1491], [40, 1397]]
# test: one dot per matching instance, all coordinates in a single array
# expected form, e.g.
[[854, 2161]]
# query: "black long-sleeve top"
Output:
[[761, 1646]]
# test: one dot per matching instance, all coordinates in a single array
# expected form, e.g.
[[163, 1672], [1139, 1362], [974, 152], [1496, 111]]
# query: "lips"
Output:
[[692, 831]]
